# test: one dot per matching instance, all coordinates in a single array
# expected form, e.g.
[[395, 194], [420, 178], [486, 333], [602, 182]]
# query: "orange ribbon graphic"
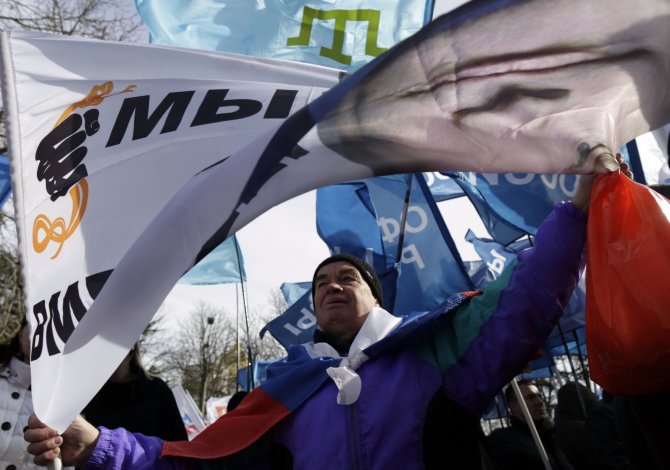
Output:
[[96, 96], [58, 230]]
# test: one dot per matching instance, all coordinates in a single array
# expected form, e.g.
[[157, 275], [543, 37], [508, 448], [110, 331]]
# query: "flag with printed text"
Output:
[[95, 142], [343, 34], [426, 269]]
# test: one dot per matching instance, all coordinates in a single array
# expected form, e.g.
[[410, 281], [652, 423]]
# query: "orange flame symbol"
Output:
[[58, 230]]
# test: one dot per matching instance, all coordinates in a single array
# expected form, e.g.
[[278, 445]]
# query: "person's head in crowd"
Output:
[[18, 346], [130, 367], [533, 398], [235, 400], [574, 399], [344, 290]]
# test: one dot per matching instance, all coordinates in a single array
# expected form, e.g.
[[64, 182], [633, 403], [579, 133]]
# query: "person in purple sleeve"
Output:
[[394, 387]]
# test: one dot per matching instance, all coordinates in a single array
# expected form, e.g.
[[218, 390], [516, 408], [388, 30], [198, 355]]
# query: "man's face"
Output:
[[342, 299], [533, 398]]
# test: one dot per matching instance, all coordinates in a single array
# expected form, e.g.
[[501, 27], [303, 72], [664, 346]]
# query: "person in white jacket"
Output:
[[16, 404]]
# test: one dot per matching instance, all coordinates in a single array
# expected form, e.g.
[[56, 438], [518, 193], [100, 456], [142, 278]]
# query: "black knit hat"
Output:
[[367, 273]]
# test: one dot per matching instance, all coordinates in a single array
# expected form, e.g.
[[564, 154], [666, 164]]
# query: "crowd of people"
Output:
[[398, 392], [437, 378]]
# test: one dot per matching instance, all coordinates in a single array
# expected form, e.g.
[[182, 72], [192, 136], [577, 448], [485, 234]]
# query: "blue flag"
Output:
[[222, 265], [342, 34], [296, 325], [512, 205], [292, 291], [496, 258], [260, 375], [442, 186], [649, 156], [364, 218], [5, 181]]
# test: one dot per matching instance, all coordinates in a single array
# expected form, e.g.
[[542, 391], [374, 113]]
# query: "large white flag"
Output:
[[102, 135], [493, 86]]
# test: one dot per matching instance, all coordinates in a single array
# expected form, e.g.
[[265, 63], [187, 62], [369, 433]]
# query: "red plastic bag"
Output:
[[628, 287]]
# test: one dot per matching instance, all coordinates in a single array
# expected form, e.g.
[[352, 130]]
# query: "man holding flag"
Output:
[[367, 392]]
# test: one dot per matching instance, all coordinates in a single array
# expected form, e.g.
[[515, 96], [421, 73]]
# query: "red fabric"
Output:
[[234, 431], [628, 287]]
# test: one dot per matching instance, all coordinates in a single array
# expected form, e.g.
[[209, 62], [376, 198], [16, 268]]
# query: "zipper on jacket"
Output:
[[354, 440]]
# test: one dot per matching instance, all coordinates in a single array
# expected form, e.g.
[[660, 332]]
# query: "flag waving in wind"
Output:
[[343, 34], [471, 91]]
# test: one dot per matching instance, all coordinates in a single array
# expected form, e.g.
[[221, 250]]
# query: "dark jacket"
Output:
[[513, 448], [466, 356], [144, 405]]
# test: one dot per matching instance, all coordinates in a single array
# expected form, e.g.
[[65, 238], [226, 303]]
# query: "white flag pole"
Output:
[[531, 424]]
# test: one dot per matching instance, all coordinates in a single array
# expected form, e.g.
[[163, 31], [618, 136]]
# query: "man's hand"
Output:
[[605, 163], [74, 446]]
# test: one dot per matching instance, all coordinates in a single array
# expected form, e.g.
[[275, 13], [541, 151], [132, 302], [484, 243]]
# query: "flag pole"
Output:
[[531, 424], [237, 332], [245, 306], [55, 464], [403, 219]]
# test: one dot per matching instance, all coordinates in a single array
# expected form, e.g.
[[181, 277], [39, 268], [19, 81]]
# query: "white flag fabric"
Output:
[[190, 414], [492, 86], [137, 122]]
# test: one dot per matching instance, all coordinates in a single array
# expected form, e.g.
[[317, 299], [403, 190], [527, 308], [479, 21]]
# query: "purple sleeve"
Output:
[[517, 312], [118, 449]]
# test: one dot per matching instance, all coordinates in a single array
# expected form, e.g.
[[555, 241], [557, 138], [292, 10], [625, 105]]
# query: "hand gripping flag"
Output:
[[471, 91]]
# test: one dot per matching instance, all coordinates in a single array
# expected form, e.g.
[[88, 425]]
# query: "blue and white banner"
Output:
[[496, 258], [190, 414], [442, 187], [296, 325], [224, 264], [650, 156], [260, 375], [430, 268], [343, 34], [471, 91], [512, 205]]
